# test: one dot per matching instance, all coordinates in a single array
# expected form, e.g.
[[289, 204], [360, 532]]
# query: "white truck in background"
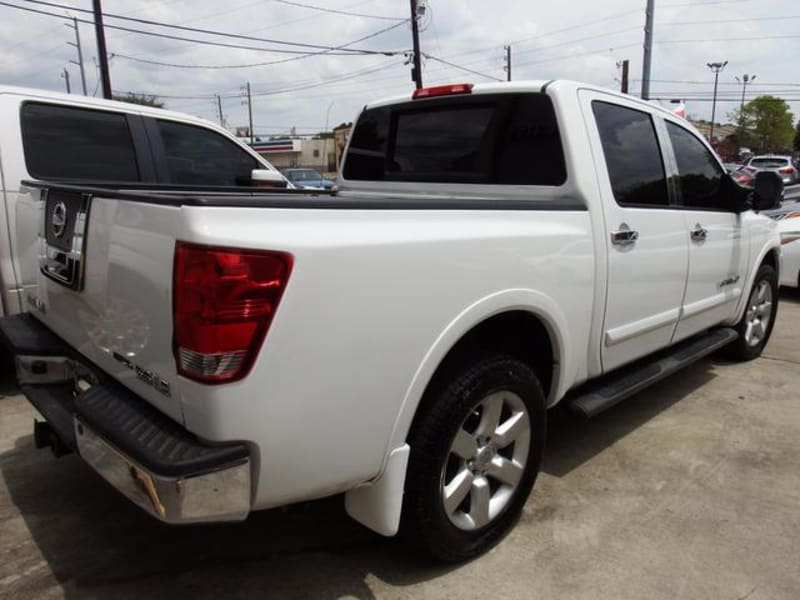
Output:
[[62, 137], [494, 250]]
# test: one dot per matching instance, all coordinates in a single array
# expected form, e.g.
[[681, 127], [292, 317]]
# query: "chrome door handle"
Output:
[[625, 236], [699, 233]]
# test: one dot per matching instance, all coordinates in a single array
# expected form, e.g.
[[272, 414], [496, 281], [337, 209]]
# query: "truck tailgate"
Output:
[[98, 272]]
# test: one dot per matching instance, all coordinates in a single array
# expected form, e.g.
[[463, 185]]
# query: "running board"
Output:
[[615, 387]]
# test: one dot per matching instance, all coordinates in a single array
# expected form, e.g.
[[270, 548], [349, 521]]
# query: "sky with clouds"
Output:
[[462, 40]]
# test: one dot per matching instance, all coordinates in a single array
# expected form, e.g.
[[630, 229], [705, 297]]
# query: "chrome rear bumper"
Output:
[[221, 495]]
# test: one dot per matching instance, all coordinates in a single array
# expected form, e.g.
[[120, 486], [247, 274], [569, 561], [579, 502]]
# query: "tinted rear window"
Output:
[[64, 142], [502, 139], [769, 163]]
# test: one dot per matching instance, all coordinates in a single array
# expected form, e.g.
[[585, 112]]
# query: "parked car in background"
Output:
[[788, 217], [742, 174], [308, 178], [782, 165]]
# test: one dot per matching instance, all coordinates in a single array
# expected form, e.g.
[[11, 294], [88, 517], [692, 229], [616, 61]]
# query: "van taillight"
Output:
[[223, 302]]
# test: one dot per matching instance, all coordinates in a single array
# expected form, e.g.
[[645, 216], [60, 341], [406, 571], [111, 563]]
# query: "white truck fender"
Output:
[[378, 504], [765, 249]]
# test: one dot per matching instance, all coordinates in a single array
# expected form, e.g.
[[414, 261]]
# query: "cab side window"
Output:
[[197, 156], [700, 176], [633, 156], [65, 142]]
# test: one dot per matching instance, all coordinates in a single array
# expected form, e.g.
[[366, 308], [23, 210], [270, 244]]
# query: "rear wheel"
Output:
[[475, 454], [759, 316]]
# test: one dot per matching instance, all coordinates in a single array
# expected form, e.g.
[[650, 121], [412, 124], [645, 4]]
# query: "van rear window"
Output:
[[505, 139], [64, 142]]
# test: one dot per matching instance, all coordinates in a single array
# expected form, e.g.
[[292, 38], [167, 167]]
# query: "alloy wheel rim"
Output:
[[759, 314], [486, 461]]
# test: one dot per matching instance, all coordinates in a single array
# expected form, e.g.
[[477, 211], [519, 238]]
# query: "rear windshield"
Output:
[[769, 163], [506, 139]]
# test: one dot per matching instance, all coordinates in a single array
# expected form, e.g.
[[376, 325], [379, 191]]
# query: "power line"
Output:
[[258, 64], [185, 28], [740, 39], [310, 84], [744, 20], [455, 66], [339, 12], [551, 33], [699, 4]]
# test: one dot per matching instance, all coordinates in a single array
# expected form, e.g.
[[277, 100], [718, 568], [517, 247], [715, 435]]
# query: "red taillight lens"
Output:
[[223, 302], [786, 170], [443, 90]]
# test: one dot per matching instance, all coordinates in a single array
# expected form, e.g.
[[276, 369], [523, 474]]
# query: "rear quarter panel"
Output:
[[371, 297]]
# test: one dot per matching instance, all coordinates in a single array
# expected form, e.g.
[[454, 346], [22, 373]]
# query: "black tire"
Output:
[[457, 405], [744, 349]]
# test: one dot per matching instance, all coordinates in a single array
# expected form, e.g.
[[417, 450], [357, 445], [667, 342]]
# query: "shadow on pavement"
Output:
[[572, 440], [791, 295], [97, 543]]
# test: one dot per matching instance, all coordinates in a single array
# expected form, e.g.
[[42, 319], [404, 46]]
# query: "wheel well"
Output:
[[519, 334], [771, 259]]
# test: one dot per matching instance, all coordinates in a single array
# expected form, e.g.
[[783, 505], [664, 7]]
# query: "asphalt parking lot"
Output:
[[688, 490]]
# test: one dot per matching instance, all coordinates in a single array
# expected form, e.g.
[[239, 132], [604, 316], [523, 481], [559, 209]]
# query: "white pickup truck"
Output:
[[494, 250]]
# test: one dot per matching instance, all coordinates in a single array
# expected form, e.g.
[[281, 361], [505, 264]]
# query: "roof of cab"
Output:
[[532, 86]]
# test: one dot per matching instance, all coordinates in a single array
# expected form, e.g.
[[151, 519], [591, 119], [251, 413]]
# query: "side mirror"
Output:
[[266, 178], [768, 191]]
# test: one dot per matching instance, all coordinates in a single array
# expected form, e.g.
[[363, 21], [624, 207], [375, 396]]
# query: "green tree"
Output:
[[765, 122], [143, 99]]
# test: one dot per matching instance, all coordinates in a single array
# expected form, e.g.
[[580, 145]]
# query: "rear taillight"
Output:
[[223, 302], [786, 170]]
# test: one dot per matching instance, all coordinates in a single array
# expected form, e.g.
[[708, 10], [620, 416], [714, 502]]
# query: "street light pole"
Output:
[[716, 67], [744, 81], [65, 77]]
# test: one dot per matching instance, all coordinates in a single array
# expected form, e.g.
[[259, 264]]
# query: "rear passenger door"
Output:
[[718, 243], [645, 238]]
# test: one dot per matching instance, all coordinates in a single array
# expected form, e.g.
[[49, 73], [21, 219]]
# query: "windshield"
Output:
[[305, 175]]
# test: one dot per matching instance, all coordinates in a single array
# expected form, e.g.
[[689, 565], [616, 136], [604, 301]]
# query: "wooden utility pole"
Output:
[[77, 45], [416, 69], [624, 84], [648, 49], [507, 68], [65, 75], [250, 113], [105, 77]]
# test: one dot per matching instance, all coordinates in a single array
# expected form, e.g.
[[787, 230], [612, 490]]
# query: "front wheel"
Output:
[[475, 454], [759, 316]]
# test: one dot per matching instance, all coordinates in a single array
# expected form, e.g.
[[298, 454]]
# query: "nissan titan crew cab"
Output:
[[493, 250]]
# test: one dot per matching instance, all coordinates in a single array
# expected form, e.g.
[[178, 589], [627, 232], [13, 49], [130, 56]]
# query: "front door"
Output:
[[718, 244], [646, 241]]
